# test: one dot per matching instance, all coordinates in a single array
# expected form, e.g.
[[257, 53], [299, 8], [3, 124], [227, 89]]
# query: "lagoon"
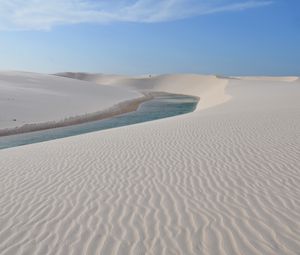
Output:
[[162, 105]]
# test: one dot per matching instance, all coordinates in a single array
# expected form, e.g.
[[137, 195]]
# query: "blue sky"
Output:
[[230, 37]]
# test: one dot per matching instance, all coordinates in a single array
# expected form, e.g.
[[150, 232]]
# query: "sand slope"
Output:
[[210, 89], [27, 98], [221, 181]]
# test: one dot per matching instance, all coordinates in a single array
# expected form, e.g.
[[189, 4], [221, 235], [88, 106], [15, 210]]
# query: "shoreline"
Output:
[[118, 109]]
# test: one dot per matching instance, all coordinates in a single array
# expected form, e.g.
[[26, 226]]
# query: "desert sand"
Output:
[[224, 179], [41, 100], [209, 88]]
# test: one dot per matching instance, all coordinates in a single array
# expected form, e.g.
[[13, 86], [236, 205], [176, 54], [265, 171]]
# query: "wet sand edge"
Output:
[[118, 109]]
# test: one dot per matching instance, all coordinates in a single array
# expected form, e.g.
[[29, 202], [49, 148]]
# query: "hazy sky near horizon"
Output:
[[230, 37]]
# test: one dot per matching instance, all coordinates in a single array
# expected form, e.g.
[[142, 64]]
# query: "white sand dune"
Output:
[[225, 180], [269, 78], [27, 98], [103, 79], [210, 89]]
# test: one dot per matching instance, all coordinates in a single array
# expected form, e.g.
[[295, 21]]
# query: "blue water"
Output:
[[161, 106]]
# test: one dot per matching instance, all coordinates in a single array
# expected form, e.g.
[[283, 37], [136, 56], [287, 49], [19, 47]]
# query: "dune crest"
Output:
[[210, 89], [269, 78]]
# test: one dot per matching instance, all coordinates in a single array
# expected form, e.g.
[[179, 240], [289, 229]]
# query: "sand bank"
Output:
[[28, 98], [120, 108]]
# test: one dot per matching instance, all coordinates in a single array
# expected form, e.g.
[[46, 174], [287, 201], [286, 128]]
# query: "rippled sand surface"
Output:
[[224, 180]]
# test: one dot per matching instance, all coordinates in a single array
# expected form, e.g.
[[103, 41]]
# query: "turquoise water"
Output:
[[161, 106]]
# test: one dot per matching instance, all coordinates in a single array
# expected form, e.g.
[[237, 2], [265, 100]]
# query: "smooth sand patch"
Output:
[[30, 98]]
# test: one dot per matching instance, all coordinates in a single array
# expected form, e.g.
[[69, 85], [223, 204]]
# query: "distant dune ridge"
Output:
[[209, 88], [270, 78], [224, 179]]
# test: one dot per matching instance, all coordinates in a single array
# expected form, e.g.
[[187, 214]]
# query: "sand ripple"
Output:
[[226, 185]]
